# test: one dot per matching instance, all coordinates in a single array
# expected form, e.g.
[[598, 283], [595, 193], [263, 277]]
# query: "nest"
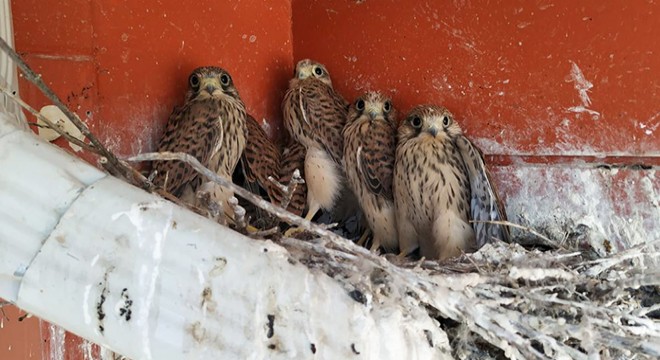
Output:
[[507, 301], [540, 301]]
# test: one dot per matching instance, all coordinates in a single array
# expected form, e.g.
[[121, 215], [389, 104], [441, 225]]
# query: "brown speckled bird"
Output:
[[209, 126], [261, 158], [440, 184], [369, 149], [314, 115], [293, 157]]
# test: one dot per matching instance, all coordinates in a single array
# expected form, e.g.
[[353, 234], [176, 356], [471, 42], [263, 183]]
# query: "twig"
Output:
[[474, 263], [112, 164], [177, 201], [645, 311], [546, 241], [289, 189], [47, 121], [239, 214], [636, 251], [264, 233], [279, 212]]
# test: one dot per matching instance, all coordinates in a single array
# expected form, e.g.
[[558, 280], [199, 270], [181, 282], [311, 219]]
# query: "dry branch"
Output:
[[279, 212], [289, 189], [50, 124], [111, 162], [544, 240]]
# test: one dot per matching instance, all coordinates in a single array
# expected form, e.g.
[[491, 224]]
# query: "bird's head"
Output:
[[210, 81], [372, 106], [429, 121], [306, 69]]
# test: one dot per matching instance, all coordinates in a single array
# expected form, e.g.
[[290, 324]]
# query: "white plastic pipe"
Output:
[[150, 280]]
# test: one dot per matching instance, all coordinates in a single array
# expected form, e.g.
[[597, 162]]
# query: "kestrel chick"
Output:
[[440, 184], [314, 115], [209, 126], [369, 149]]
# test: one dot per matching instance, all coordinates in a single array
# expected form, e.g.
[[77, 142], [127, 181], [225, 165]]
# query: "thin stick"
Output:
[[292, 187], [280, 213], [49, 123], [112, 164], [547, 241], [288, 190], [263, 233]]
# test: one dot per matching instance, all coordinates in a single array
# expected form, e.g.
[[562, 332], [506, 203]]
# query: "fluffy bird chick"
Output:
[[369, 149], [314, 115], [209, 126], [440, 184]]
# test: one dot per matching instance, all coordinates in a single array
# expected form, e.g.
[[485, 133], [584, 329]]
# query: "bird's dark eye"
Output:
[[445, 121], [194, 81], [359, 104], [387, 106], [416, 122], [318, 71], [224, 79]]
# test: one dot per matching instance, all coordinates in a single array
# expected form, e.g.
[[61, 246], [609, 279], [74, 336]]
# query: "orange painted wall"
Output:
[[19, 335], [123, 65], [506, 69]]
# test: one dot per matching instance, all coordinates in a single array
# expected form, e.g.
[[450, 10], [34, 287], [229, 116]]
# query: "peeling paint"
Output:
[[651, 125], [57, 337], [583, 86], [581, 109], [86, 348], [619, 206]]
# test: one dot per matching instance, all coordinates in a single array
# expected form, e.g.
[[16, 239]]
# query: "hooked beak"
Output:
[[304, 73], [210, 85], [372, 110], [433, 131]]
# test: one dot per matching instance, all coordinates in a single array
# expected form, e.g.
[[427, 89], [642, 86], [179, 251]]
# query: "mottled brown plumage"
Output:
[[261, 158], [314, 115], [436, 193], [293, 157], [209, 126], [369, 149]]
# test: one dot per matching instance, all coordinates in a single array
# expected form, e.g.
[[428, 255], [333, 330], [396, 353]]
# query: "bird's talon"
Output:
[[363, 239], [251, 229], [293, 231]]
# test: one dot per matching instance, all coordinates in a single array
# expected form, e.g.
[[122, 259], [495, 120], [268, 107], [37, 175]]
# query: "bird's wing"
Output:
[[261, 158], [319, 113], [375, 161], [194, 129], [485, 204]]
